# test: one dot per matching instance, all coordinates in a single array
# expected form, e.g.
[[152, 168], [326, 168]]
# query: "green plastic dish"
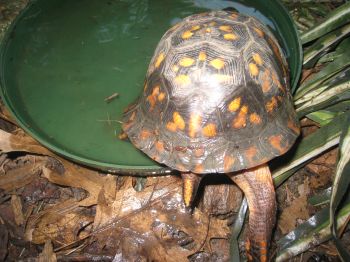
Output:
[[60, 59]]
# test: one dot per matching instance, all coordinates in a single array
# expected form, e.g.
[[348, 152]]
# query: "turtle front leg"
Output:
[[257, 185]]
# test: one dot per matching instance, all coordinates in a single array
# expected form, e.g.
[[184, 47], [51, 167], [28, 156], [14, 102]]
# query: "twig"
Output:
[[111, 97]]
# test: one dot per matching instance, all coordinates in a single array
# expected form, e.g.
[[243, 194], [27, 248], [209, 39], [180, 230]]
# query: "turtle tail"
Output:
[[257, 185]]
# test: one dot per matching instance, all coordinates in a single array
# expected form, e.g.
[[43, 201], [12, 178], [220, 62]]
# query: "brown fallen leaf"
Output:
[[47, 255], [17, 209]]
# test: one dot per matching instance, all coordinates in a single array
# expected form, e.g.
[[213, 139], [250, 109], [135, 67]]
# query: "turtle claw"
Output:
[[189, 189]]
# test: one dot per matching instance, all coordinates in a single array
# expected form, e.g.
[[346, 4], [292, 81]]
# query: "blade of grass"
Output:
[[322, 198], [322, 117], [340, 185], [335, 19]]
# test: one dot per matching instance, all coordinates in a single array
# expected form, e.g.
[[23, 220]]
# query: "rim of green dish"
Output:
[[127, 169]]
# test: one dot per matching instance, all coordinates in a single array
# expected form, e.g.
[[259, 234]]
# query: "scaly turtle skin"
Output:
[[216, 100]]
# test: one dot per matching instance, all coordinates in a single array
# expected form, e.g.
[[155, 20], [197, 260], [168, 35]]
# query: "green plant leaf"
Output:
[[309, 147], [341, 184], [329, 71], [236, 230], [311, 233], [335, 19], [323, 44], [322, 198], [322, 117]]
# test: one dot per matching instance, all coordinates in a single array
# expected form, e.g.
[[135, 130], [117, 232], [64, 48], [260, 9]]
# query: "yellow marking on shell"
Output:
[[250, 153], [144, 134], [161, 96], [186, 61], [159, 60], [222, 78], [253, 69], [226, 28], [159, 146], [241, 120], [198, 152], [217, 63], [234, 104], [199, 168], [259, 32], [230, 36], [208, 30], [179, 121], [266, 81], [257, 59], [212, 23], [155, 90], [195, 27], [175, 68], [209, 130], [233, 16], [255, 119], [263, 258], [271, 105], [228, 163], [186, 34], [171, 126], [275, 142], [182, 79], [194, 124], [276, 81], [202, 56]]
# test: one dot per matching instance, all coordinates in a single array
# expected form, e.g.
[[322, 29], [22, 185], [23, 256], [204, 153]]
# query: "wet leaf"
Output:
[[236, 230], [323, 44], [309, 234], [333, 20], [341, 184], [310, 147], [322, 198]]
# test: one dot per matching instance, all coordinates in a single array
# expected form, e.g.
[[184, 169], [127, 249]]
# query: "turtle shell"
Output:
[[216, 97]]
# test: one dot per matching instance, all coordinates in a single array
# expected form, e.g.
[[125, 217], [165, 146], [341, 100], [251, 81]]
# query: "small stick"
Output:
[[111, 97]]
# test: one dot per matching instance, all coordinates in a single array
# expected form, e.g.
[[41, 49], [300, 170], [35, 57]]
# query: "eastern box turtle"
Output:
[[216, 99]]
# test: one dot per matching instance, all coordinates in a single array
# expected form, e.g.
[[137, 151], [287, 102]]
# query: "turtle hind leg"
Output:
[[257, 185], [191, 183]]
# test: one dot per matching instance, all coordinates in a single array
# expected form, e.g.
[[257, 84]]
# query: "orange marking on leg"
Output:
[[179, 121], [194, 124], [253, 69], [230, 36], [159, 60], [152, 101], [155, 90], [209, 130], [175, 68], [195, 27], [275, 142], [228, 163], [123, 136], [234, 104], [255, 119], [171, 126], [198, 152], [132, 117], [271, 105], [233, 16]]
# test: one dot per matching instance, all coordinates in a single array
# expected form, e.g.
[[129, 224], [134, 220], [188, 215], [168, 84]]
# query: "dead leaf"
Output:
[[47, 255], [17, 209]]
